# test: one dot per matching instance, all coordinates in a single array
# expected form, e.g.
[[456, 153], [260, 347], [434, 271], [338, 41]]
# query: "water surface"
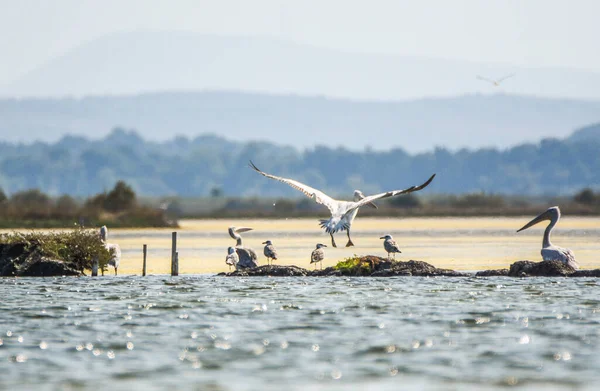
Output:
[[207, 332]]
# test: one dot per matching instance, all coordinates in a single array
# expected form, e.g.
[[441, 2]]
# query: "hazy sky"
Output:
[[546, 33]]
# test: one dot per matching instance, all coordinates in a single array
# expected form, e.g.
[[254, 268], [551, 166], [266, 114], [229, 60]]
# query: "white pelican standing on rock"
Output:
[[232, 258], [342, 212], [270, 252], [390, 245], [551, 252], [112, 248], [247, 256], [318, 255]]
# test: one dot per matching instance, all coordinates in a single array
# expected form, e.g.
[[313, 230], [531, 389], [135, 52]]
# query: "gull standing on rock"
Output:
[[112, 248], [232, 258], [342, 212], [247, 256], [390, 245], [318, 255], [551, 252], [270, 252]]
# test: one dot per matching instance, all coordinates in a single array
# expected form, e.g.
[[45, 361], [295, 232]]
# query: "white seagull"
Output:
[[495, 82], [390, 245], [342, 212], [232, 258], [551, 252], [247, 256], [112, 248]]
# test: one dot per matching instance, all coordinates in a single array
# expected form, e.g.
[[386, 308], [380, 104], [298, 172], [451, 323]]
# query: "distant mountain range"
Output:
[[139, 62], [196, 167], [472, 121]]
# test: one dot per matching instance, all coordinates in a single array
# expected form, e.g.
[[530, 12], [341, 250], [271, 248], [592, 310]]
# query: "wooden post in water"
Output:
[[174, 271], [144, 265], [176, 266], [95, 266]]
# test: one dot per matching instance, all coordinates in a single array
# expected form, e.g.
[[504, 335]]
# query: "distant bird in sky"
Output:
[[495, 82], [232, 258], [318, 255], [112, 248], [342, 212], [270, 251], [551, 252], [247, 256], [390, 245]]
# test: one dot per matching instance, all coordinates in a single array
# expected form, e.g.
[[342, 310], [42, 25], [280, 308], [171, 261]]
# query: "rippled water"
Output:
[[207, 332]]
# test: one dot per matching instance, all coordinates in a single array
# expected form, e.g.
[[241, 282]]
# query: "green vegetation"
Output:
[[210, 166], [77, 248], [116, 208], [356, 266]]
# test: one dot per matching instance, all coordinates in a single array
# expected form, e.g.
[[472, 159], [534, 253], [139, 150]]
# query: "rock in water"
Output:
[[540, 269], [492, 273], [18, 260]]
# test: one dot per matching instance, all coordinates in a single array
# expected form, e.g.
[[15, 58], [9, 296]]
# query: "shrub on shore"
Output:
[[77, 247], [116, 208]]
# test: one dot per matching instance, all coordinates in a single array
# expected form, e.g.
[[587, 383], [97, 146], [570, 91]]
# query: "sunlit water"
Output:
[[217, 333], [200, 331]]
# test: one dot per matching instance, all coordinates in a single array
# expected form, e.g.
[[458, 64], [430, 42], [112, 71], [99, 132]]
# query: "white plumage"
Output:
[[113, 248], [232, 258], [549, 251], [342, 212], [247, 256]]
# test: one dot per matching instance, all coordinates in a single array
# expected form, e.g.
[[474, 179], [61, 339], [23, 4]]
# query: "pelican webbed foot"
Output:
[[349, 244], [332, 241]]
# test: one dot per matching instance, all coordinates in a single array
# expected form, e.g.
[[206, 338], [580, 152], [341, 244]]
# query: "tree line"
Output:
[[117, 207], [213, 165]]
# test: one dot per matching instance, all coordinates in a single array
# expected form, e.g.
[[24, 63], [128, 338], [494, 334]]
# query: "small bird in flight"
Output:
[[495, 82]]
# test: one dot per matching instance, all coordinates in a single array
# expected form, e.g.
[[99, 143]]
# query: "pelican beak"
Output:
[[383, 237], [324, 245], [372, 205], [243, 229], [542, 217], [264, 242]]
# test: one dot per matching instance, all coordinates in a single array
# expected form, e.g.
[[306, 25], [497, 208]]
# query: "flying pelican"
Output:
[[232, 258], [495, 82], [549, 251], [270, 251], [247, 256], [112, 248], [342, 212], [317, 255], [390, 245]]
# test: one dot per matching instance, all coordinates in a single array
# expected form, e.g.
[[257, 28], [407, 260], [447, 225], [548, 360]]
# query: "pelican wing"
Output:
[[387, 194], [319, 196]]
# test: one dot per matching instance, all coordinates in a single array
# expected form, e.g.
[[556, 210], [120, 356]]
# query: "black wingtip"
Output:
[[424, 185], [251, 165]]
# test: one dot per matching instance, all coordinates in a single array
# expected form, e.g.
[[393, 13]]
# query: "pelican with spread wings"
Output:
[[342, 212], [495, 82]]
